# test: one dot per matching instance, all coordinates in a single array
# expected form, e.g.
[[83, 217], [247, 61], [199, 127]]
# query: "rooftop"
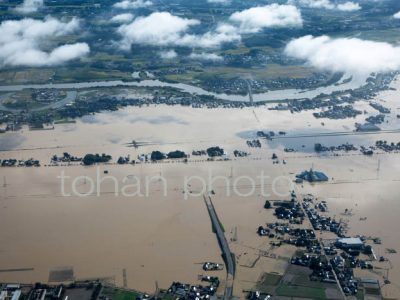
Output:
[[351, 241]]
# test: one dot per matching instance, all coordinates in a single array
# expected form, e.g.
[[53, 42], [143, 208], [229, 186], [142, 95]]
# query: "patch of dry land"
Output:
[[165, 238]]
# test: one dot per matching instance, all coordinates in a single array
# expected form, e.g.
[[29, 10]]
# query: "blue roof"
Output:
[[313, 176]]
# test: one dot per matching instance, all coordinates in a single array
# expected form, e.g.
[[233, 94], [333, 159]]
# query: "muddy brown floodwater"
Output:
[[166, 238]]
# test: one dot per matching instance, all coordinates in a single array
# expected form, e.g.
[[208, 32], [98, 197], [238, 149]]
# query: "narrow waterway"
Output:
[[267, 96]]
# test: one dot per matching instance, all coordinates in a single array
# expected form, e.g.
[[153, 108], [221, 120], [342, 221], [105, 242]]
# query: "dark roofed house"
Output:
[[367, 127], [312, 176]]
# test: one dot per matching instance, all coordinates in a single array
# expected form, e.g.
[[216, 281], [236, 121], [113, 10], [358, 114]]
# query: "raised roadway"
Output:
[[223, 243]]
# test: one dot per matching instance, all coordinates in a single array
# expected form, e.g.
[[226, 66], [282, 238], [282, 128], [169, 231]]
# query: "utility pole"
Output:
[[378, 169], [125, 279], [235, 238], [157, 290]]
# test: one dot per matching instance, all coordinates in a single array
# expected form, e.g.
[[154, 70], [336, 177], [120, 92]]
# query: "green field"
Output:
[[116, 294], [301, 292], [270, 279]]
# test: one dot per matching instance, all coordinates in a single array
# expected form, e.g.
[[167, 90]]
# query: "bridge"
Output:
[[223, 243]]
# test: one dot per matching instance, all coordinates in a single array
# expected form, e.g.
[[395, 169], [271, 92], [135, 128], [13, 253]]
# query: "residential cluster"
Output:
[[31, 162], [330, 260]]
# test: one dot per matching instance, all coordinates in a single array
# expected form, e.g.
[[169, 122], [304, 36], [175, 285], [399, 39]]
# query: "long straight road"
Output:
[[223, 243], [298, 192]]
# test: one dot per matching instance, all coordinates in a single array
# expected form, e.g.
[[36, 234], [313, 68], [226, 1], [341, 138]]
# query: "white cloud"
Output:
[[20, 42], [206, 56], [122, 18], [397, 15], [350, 55], [224, 33], [168, 54], [132, 4], [29, 6], [159, 29], [327, 4], [164, 29], [34, 57], [254, 19], [348, 6]]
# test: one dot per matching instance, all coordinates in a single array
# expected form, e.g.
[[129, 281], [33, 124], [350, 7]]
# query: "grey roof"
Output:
[[351, 241]]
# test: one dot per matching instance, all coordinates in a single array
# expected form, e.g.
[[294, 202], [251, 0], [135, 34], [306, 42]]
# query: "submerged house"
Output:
[[367, 127], [312, 176]]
